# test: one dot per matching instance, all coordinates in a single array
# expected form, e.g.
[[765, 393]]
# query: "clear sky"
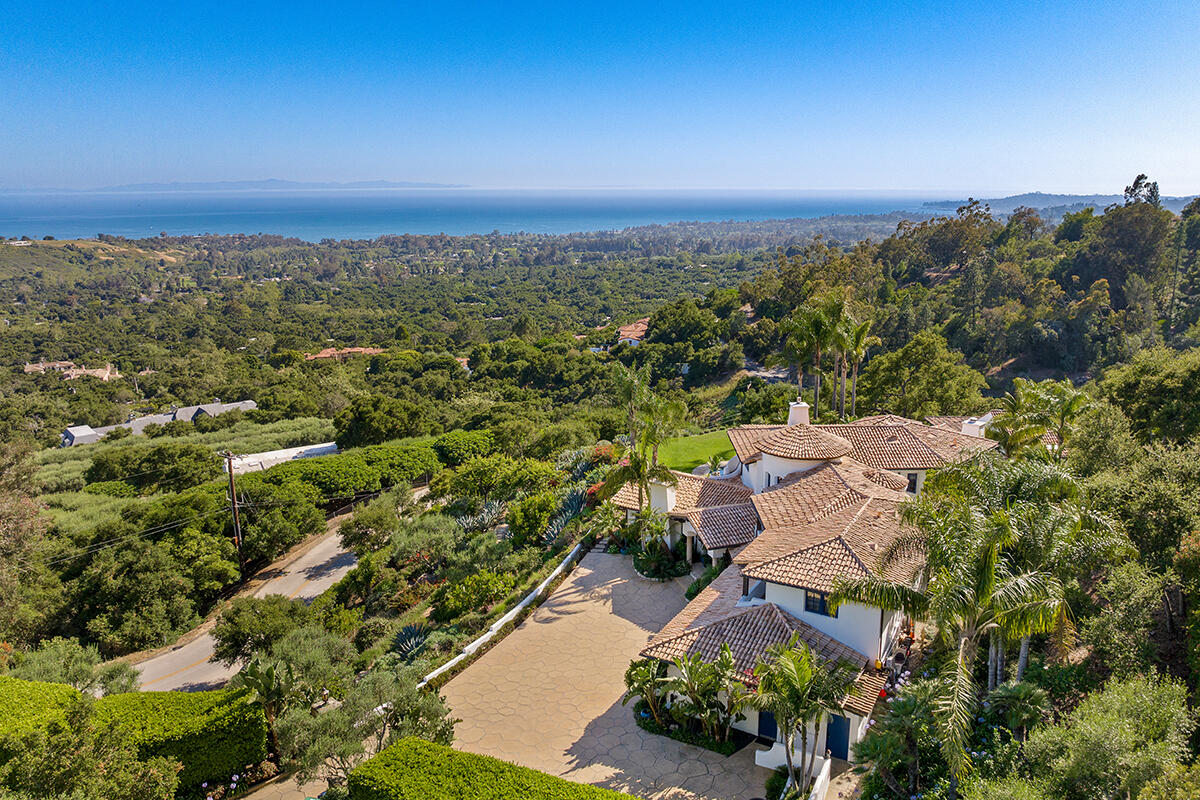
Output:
[[982, 97]]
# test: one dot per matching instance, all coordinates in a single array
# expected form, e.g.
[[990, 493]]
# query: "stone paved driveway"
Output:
[[549, 695]]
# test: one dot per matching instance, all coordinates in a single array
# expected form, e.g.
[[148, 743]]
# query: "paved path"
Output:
[[549, 695], [186, 667]]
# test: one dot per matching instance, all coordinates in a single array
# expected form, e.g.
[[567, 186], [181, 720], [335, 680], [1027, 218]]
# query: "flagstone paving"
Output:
[[549, 695]]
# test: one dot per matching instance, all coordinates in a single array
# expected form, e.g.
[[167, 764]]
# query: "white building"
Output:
[[799, 507]]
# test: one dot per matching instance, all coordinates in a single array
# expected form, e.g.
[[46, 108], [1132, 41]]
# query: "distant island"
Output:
[[269, 185]]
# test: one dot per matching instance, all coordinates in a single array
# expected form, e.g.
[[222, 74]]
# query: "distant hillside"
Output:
[[1054, 204]]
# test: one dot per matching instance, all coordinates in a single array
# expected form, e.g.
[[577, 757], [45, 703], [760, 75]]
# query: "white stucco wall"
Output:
[[904, 473], [662, 497], [855, 625], [778, 467], [891, 628]]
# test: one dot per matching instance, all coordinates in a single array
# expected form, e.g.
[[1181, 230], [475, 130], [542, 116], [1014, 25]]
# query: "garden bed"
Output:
[[736, 741]]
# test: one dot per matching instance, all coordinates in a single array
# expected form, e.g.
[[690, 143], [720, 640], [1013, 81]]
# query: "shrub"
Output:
[[528, 517], [403, 464], [112, 489], [698, 585], [470, 594], [414, 768], [27, 705], [215, 735], [335, 477], [456, 447]]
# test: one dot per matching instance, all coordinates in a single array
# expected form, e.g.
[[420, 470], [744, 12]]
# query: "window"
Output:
[[912, 483], [768, 483], [817, 603]]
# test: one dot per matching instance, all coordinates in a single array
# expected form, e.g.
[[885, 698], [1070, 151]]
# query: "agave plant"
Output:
[[488, 517], [410, 641]]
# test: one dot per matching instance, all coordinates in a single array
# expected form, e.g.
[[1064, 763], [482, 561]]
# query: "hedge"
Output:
[[403, 463], [28, 705], [215, 734], [414, 769], [335, 477], [457, 447]]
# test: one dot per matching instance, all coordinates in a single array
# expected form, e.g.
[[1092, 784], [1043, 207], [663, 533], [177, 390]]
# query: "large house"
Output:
[[797, 508], [86, 434]]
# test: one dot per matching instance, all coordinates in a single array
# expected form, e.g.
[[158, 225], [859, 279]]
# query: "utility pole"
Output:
[[233, 506]]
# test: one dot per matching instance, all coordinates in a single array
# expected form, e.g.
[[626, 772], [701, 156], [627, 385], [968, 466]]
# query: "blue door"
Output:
[[767, 727], [837, 737]]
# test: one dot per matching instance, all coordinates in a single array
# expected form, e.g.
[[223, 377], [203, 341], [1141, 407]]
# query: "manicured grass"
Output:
[[687, 452]]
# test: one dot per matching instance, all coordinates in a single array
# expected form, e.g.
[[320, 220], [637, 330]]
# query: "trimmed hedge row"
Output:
[[361, 471], [27, 705], [213, 734], [414, 769]]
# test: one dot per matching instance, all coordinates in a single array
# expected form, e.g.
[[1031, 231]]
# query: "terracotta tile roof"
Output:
[[848, 544], [691, 491], [803, 497], [694, 491], [1049, 438], [886, 419], [866, 694], [953, 446], [749, 631], [634, 331], [745, 440], [888, 446], [721, 527], [805, 443]]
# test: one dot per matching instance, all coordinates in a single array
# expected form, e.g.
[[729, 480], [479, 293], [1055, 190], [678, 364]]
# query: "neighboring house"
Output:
[[343, 353], [465, 363], [85, 434], [71, 372], [42, 367], [633, 333], [796, 509]]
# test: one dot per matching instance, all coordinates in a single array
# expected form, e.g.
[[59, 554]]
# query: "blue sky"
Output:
[[919, 96]]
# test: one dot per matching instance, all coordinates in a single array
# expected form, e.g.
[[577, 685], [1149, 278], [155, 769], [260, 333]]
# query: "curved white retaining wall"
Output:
[[491, 632]]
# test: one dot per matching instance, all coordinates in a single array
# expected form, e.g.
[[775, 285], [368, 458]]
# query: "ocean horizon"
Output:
[[367, 214]]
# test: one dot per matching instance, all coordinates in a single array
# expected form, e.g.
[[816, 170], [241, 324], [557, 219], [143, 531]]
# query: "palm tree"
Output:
[[730, 681], [1019, 429], [636, 467], [1039, 505], [1019, 706], [797, 346], [822, 321], [273, 687], [660, 418], [896, 736], [630, 387], [965, 587], [695, 687], [646, 679], [1064, 406], [860, 341], [798, 688]]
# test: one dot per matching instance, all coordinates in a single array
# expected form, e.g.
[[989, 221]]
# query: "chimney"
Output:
[[797, 413]]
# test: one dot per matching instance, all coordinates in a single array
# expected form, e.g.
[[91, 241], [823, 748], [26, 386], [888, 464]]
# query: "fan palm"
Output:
[[799, 688], [1019, 706], [965, 587]]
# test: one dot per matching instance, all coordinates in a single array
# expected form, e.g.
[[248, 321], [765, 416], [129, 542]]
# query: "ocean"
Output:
[[365, 214]]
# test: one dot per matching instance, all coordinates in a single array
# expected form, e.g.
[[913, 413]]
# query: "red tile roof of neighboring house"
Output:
[[634, 331]]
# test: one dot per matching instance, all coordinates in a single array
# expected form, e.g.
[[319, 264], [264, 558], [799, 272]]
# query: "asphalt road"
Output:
[[187, 667]]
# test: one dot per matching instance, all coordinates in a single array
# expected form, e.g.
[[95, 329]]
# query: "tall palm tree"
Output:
[[860, 341], [660, 417], [1039, 505], [797, 345], [799, 688], [630, 388], [965, 587]]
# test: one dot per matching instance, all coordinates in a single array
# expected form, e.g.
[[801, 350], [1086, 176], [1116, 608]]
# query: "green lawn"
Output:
[[687, 452]]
